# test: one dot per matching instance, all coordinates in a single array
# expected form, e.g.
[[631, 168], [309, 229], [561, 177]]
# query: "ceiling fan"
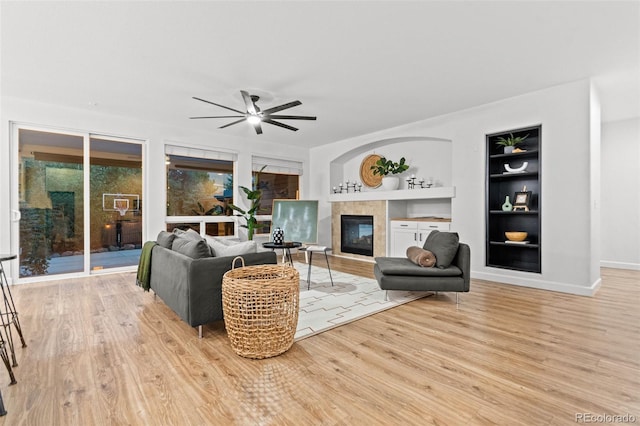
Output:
[[255, 116]]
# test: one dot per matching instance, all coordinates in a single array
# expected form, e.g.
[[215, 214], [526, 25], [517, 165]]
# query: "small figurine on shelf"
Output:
[[507, 206]]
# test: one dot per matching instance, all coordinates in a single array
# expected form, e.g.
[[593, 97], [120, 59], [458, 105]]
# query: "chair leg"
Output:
[[309, 273], [328, 267]]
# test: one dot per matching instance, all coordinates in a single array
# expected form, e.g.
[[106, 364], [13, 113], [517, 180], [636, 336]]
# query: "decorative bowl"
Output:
[[522, 168], [515, 235]]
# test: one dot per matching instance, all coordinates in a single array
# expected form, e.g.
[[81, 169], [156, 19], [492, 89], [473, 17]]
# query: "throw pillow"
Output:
[[421, 257], [165, 239], [192, 248], [222, 248], [444, 245], [191, 235]]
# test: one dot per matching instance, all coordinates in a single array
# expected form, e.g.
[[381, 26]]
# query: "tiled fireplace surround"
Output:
[[377, 209]]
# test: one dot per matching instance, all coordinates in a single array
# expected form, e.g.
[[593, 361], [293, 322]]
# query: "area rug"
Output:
[[351, 297]]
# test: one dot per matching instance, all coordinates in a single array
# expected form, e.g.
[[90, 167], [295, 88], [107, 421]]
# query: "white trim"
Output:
[[539, 284], [209, 154], [620, 265], [276, 165]]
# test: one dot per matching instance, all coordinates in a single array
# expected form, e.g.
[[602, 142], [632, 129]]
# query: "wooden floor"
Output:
[[102, 352]]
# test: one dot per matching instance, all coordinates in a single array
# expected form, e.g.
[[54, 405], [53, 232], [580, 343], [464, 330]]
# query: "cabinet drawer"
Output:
[[434, 226], [404, 224]]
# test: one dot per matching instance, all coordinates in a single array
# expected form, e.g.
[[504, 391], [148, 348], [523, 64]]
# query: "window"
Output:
[[199, 184], [279, 179]]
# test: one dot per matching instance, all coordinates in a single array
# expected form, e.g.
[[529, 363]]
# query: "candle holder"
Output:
[[411, 183], [346, 187]]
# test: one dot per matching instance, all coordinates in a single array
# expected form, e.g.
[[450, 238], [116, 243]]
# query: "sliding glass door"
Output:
[[79, 202], [51, 197], [115, 188]]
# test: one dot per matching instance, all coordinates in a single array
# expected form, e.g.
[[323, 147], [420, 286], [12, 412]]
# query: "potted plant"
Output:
[[510, 142], [384, 168], [254, 196]]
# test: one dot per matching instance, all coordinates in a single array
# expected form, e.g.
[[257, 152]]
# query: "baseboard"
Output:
[[620, 265], [539, 283]]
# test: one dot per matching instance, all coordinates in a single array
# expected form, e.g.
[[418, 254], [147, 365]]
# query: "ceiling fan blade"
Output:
[[292, 117], [286, 126], [258, 128], [281, 107], [218, 105], [219, 116], [232, 123], [248, 102]]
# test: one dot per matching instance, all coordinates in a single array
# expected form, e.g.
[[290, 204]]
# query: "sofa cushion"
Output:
[[421, 257], [403, 266], [165, 239], [225, 247], [444, 245], [190, 234], [191, 248]]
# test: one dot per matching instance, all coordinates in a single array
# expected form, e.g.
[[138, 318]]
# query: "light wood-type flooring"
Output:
[[103, 352]]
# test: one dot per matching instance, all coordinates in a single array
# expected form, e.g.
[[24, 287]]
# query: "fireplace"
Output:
[[356, 234]]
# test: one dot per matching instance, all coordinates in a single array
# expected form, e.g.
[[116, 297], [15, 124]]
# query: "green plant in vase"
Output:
[[384, 167], [254, 196], [510, 142]]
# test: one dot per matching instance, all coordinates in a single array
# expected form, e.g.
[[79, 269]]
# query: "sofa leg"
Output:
[[386, 295], [457, 294], [199, 332]]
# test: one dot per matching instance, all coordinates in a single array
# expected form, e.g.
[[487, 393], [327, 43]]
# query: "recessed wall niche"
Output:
[[427, 157]]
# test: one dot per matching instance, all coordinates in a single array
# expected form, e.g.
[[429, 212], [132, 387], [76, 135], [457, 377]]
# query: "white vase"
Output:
[[390, 183]]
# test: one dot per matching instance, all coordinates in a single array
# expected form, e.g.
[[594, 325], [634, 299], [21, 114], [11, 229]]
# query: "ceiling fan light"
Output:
[[253, 119]]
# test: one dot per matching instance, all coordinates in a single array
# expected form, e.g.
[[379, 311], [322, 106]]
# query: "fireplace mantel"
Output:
[[399, 194]]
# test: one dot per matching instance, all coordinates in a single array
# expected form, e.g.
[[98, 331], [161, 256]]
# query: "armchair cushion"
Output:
[[402, 267], [444, 245]]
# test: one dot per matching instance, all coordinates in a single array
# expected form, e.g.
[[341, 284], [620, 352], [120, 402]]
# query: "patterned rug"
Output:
[[324, 307]]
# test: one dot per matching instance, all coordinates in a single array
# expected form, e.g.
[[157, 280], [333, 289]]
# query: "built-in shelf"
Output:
[[399, 194], [499, 185]]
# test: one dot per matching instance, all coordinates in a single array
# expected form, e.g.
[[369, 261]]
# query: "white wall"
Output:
[[620, 200], [156, 135], [566, 157]]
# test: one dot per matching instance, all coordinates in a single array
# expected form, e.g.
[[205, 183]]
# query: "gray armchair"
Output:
[[399, 273]]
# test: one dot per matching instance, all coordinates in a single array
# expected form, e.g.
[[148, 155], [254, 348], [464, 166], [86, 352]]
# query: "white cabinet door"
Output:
[[401, 239]]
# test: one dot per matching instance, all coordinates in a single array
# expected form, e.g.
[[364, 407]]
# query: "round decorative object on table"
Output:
[[278, 236], [366, 174]]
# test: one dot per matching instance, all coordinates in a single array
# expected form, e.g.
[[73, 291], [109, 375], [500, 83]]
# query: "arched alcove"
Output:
[[428, 157]]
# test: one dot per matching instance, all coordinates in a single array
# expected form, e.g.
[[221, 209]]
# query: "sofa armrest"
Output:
[[463, 261], [205, 289], [192, 288]]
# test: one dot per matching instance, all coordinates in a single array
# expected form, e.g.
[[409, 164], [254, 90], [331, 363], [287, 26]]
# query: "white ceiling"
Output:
[[359, 66]]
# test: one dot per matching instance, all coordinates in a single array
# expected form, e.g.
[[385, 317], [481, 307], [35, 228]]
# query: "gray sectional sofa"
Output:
[[188, 278]]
